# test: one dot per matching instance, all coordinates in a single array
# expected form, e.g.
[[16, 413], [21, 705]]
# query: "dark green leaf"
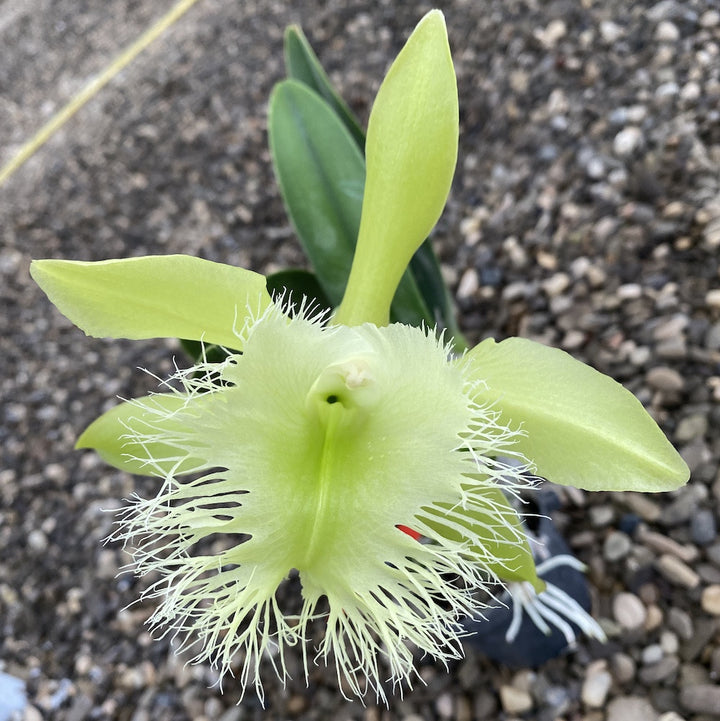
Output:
[[302, 64], [321, 173]]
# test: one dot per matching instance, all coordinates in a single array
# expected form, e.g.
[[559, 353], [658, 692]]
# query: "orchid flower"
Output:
[[323, 445]]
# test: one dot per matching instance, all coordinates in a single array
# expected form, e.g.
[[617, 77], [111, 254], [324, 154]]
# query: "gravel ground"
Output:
[[585, 213]]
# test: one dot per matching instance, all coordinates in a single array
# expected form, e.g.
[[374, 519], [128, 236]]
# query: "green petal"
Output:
[[422, 296], [109, 435], [503, 547], [411, 152], [583, 428], [170, 296]]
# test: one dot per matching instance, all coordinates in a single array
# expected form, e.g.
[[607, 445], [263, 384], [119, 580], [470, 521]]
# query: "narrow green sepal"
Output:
[[161, 296], [422, 296], [411, 151], [581, 427]]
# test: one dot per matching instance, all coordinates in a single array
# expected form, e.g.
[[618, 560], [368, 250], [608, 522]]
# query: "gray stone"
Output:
[[444, 705], [601, 516], [712, 337], [651, 654], [691, 427], [665, 668], [617, 545], [679, 510], [667, 32], [710, 19], [703, 698], [622, 667], [665, 379], [713, 553], [703, 527], [681, 622]]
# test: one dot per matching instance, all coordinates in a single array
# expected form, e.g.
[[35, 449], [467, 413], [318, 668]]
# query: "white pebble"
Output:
[[629, 611], [652, 654], [595, 689], [690, 91], [611, 31], [712, 298], [667, 32], [37, 540], [710, 600], [710, 19], [556, 284], [627, 141], [469, 283]]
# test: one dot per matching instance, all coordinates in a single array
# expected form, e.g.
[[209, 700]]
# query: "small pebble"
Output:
[[667, 32], [556, 284], [444, 705], [710, 600], [595, 688], [654, 617], [469, 284], [631, 708], [652, 654], [665, 379], [662, 670], [629, 611], [623, 667], [37, 540], [710, 19], [703, 698], [617, 545], [691, 427], [676, 571], [680, 622], [627, 141], [514, 700], [601, 516], [703, 528], [669, 642]]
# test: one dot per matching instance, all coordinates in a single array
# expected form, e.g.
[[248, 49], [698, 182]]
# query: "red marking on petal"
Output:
[[413, 534]]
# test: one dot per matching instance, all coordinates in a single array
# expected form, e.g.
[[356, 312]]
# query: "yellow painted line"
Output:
[[93, 87]]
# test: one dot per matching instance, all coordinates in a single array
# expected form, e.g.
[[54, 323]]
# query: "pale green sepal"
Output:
[[582, 427], [112, 436], [411, 151], [163, 296]]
